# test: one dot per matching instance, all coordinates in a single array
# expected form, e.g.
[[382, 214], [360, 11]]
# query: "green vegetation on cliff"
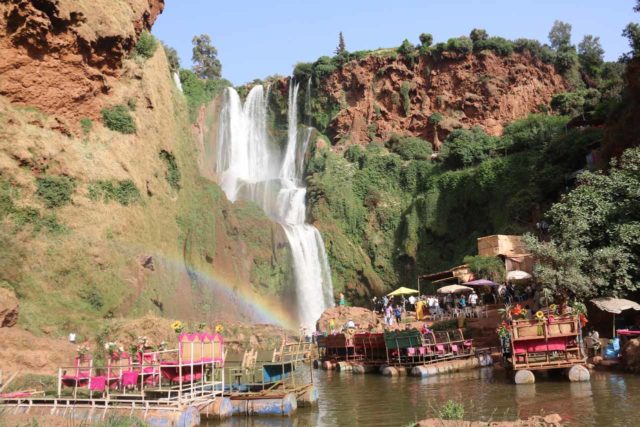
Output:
[[410, 215]]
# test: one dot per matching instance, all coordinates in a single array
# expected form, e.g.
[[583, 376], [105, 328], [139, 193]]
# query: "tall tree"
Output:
[[632, 32], [206, 64], [560, 36], [342, 48], [591, 55]]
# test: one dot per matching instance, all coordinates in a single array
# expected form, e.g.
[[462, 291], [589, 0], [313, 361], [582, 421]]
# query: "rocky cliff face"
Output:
[[59, 55], [95, 223], [380, 96]]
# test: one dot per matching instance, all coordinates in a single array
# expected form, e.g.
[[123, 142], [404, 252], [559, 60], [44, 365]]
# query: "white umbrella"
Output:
[[615, 306], [517, 275], [452, 289]]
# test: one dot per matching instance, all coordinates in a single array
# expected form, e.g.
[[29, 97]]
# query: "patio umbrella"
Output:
[[615, 306], [517, 276], [452, 289], [402, 291], [481, 282]]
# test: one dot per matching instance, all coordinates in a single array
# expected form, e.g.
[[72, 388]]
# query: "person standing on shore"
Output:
[[398, 313], [473, 299], [387, 315]]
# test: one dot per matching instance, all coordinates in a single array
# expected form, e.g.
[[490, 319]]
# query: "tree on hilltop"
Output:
[[591, 55], [560, 36], [426, 39], [478, 34], [342, 48], [206, 64]]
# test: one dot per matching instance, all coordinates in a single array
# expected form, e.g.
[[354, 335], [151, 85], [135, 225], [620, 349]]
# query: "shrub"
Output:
[[451, 411], [436, 118], [426, 39], [406, 48], [92, 296], [498, 45], [536, 49], [124, 192], [199, 91], [568, 103], [566, 60], [86, 124], [173, 173], [303, 71], [478, 34], [172, 58], [464, 147], [534, 131], [410, 148], [117, 118], [56, 191], [147, 45], [406, 100], [324, 66], [576, 103], [460, 45]]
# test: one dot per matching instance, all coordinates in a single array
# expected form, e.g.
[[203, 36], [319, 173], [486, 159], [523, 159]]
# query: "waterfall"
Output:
[[307, 103], [176, 80], [250, 167]]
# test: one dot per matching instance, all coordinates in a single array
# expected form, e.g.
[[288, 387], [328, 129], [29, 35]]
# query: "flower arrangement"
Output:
[[114, 350], [82, 350], [219, 328], [504, 330], [518, 312], [177, 326]]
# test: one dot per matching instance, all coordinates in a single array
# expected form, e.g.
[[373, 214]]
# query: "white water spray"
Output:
[[176, 80], [250, 167]]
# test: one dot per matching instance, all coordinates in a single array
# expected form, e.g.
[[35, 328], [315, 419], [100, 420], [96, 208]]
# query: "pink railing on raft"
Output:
[[191, 368]]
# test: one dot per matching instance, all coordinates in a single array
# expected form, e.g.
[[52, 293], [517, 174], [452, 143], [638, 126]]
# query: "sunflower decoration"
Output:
[[219, 328], [201, 326], [553, 308], [177, 326], [539, 315]]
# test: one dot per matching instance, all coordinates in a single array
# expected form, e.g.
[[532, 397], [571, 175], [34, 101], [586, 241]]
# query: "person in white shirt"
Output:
[[473, 299]]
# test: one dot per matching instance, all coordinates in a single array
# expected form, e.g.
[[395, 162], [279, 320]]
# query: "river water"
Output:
[[609, 399]]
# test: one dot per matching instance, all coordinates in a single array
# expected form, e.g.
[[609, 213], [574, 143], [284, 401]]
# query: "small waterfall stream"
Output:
[[250, 167]]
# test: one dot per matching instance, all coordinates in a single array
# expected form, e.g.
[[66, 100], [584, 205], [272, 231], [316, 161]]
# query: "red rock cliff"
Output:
[[58, 55], [483, 89]]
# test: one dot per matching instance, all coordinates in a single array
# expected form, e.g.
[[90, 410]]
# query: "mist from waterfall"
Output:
[[251, 167]]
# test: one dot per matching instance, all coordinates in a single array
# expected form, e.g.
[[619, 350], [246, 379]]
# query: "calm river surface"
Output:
[[610, 399]]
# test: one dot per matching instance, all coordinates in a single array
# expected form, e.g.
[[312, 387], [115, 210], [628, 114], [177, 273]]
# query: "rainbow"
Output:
[[259, 308]]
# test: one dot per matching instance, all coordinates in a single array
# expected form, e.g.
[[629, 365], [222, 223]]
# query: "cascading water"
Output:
[[250, 168]]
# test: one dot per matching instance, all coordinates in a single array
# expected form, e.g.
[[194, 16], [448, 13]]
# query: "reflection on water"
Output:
[[374, 400]]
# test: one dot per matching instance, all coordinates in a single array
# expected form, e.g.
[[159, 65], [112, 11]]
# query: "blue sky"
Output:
[[259, 38]]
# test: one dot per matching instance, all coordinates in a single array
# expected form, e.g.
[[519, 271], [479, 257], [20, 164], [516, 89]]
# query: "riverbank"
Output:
[[553, 420]]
